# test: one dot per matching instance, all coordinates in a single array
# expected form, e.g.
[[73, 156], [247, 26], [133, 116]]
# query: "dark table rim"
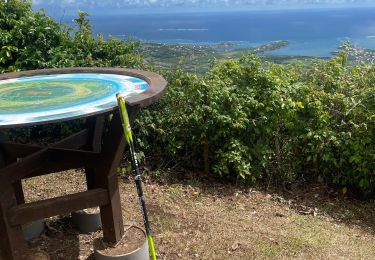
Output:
[[153, 93]]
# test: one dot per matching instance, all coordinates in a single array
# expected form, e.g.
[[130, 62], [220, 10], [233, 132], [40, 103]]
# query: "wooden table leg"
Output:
[[106, 177], [18, 184], [12, 242], [96, 126]]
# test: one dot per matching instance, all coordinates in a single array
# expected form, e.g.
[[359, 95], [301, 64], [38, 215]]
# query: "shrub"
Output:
[[339, 120], [225, 121], [251, 120], [33, 40]]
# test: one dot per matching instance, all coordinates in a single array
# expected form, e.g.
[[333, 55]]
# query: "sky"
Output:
[[126, 5]]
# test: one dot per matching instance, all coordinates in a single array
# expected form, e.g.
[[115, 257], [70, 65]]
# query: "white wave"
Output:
[[184, 29], [371, 37]]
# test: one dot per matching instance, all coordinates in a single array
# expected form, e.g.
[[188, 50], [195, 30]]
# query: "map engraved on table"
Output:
[[59, 96]]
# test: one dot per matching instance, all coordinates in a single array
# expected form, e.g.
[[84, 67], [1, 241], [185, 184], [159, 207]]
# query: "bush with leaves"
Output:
[[338, 141], [251, 120], [33, 40], [225, 121]]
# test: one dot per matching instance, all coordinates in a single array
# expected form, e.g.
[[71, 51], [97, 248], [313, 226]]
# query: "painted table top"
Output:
[[43, 98]]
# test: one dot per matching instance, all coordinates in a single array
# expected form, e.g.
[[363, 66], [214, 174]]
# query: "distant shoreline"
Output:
[[240, 46], [198, 57], [315, 32]]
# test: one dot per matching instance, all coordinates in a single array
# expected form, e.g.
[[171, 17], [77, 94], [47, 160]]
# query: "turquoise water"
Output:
[[315, 32]]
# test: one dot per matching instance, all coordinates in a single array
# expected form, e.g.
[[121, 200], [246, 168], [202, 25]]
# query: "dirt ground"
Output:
[[210, 220]]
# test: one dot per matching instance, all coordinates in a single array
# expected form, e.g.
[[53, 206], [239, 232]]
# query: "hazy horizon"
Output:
[[310, 29], [70, 7]]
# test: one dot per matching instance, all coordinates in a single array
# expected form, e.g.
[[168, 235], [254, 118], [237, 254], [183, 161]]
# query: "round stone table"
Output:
[[37, 97]]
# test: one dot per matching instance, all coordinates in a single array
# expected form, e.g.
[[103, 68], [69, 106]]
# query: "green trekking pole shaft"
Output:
[[138, 179]]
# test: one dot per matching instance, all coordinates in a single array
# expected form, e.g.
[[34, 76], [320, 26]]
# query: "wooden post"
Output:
[[12, 242], [96, 127], [106, 177]]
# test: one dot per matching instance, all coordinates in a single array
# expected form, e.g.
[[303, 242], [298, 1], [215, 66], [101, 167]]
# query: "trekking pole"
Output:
[[138, 180]]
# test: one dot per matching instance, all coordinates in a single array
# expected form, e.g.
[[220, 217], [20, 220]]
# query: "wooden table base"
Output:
[[86, 149]]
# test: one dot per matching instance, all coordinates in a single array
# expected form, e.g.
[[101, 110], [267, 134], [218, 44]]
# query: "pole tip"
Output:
[[118, 95]]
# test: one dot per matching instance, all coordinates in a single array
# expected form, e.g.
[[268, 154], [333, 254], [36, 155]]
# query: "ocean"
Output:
[[311, 32]]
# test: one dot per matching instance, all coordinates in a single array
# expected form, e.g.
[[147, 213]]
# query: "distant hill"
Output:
[[197, 58]]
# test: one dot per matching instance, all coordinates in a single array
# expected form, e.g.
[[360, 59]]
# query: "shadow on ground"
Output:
[[322, 200], [313, 199], [60, 240]]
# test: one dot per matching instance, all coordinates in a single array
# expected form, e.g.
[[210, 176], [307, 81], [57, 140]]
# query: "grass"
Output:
[[210, 220]]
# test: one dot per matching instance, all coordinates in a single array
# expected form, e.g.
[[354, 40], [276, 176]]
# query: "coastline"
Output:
[[199, 57]]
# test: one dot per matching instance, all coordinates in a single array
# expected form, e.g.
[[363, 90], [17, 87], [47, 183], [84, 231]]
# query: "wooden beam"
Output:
[[25, 213], [50, 167], [12, 242], [41, 161], [74, 141], [59, 154], [18, 170], [15, 150]]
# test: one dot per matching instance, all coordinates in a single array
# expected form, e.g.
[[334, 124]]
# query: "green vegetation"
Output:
[[243, 119], [199, 58], [254, 120], [32, 40]]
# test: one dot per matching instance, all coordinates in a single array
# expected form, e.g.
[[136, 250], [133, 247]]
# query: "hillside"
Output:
[[198, 58]]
